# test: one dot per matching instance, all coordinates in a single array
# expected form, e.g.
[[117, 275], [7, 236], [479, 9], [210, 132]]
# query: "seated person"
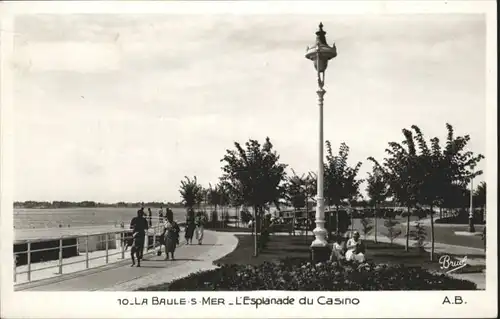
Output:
[[355, 248], [338, 249]]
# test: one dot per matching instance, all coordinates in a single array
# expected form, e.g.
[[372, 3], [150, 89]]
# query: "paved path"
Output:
[[154, 270]]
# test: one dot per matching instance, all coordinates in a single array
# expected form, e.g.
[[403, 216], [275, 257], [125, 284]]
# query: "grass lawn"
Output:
[[442, 233], [280, 247]]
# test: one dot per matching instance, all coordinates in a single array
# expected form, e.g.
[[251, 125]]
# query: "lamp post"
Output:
[[320, 54], [251, 157], [471, 208]]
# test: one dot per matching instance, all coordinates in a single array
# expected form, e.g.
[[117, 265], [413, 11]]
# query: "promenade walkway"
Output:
[[154, 269], [119, 276]]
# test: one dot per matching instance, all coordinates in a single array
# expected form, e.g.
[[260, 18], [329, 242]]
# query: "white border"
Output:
[[379, 304]]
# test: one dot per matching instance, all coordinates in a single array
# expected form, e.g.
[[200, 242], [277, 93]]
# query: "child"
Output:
[[338, 249]]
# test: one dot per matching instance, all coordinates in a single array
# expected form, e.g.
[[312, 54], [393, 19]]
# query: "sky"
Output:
[[121, 107]]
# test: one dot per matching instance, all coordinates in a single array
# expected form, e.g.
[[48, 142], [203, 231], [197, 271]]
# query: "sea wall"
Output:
[[46, 254], [76, 245], [97, 242]]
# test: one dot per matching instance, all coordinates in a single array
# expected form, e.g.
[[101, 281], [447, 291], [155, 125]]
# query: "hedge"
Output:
[[296, 274]]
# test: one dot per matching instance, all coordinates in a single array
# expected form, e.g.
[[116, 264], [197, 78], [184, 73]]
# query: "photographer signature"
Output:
[[451, 265]]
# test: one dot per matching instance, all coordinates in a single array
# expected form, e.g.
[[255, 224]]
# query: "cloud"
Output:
[[68, 56], [178, 90]]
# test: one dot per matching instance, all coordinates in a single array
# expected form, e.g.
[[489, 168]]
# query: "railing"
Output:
[[124, 237]]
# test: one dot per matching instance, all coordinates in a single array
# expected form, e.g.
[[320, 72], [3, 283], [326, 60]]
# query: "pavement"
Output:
[[120, 276]]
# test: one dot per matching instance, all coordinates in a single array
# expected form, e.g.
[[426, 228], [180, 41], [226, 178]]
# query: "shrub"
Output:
[[296, 274], [393, 231], [419, 234], [245, 216], [367, 225]]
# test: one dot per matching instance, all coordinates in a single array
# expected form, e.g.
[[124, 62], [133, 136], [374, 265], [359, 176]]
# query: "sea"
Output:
[[81, 217]]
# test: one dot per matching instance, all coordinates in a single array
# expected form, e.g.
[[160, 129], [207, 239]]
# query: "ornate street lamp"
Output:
[[320, 54], [472, 229]]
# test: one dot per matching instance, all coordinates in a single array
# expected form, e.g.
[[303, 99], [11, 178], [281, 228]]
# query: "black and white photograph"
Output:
[[218, 155]]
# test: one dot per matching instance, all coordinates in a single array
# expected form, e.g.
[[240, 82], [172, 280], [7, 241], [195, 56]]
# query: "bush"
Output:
[[367, 226], [393, 231], [419, 234], [296, 274], [245, 216]]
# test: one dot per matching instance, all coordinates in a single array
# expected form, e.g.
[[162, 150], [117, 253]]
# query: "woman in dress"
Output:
[[355, 248], [200, 223], [171, 235], [190, 227]]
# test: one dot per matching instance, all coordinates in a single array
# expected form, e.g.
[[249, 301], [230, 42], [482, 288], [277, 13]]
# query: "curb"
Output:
[[466, 233]]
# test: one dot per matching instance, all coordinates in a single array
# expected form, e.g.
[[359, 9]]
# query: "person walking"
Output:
[[160, 215], [150, 217], [170, 234], [200, 223], [139, 227], [169, 212], [190, 227]]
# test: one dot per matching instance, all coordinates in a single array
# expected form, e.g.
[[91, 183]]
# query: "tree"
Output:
[[460, 163], [295, 190], [426, 176], [213, 196], [224, 199], [376, 189], [191, 192], [296, 194], [254, 177], [441, 170], [341, 183], [403, 175], [480, 196]]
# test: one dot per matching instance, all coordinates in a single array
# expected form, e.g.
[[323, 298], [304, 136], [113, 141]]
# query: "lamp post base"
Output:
[[472, 229], [320, 254]]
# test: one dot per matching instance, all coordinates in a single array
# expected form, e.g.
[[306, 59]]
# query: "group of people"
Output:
[[170, 233], [195, 225], [352, 250]]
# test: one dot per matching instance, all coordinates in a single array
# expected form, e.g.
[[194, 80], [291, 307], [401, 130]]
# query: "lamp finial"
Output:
[[320, 35]]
